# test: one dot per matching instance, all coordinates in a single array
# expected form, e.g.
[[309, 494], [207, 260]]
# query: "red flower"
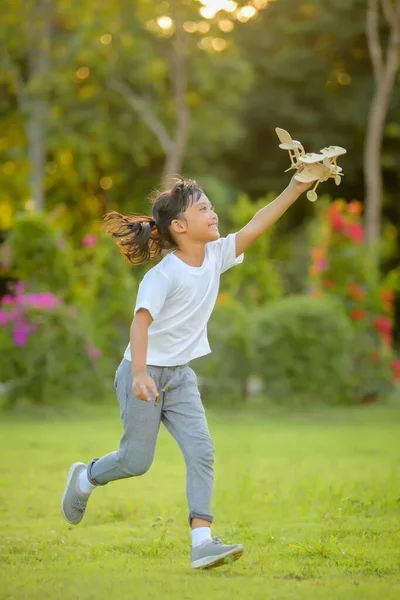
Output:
[[357, 314], [388, 339], [355, 232], [354, 207], [396, 369], [329, 283], [383, 325], [388, 297], [337, 220]]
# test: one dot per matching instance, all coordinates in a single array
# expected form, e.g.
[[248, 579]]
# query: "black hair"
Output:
[[142, 238]]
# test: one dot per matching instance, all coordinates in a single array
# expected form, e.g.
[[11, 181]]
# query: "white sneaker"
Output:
[[214, 553]]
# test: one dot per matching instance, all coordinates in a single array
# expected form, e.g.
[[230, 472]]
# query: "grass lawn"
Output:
[[314, 498]]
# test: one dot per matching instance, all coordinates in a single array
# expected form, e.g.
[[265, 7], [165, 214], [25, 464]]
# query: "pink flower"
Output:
[[321, 264], [4, 318], [21, 333], [19, 288], [89, 240], [93, 352], [44, 300], [8, 299]]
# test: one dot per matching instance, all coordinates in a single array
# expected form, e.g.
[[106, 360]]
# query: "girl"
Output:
[[154, 381]]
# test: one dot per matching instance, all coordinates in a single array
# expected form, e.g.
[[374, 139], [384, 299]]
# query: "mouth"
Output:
[[215, 227]]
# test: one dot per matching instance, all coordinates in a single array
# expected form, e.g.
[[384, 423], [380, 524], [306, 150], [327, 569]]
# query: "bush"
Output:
[[256, 281], [38, 254], [301, 350], [47, 355], [105, 291], [342, 267], [224, 373]]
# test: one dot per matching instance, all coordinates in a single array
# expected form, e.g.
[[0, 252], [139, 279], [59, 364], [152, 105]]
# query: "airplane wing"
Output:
[[312, 158], [333, 151], [286, 140], [309, 174]]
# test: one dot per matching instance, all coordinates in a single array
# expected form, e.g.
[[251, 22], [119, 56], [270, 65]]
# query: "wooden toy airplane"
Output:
[[317, 167]]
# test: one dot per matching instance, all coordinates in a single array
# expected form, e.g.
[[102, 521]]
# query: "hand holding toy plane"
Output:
[[316, 167]]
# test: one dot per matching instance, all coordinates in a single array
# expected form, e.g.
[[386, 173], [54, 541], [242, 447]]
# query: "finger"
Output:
[[153, 388], [144, 394]]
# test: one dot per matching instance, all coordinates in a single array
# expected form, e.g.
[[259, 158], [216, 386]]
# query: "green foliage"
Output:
[[39, 255], [301, 350], [256, 281], [317, 84], [224, 373], [105, 291]]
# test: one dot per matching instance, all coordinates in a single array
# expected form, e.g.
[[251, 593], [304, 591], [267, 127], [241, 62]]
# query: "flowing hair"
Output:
[[143, 238]]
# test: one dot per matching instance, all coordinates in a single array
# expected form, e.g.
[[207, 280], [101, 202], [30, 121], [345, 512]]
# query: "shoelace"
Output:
[[217, 540], [79, 504]]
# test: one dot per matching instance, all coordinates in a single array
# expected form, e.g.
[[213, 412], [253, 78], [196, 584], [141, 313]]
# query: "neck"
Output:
[[193, 255]]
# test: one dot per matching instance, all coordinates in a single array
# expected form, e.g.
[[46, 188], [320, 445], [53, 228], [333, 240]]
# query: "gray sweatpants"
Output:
[[182, 412]]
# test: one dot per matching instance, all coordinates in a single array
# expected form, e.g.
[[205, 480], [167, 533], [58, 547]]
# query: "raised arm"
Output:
[[268, 215]]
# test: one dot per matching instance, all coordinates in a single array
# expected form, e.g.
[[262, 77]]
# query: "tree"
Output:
[[127, 93], [313, 77], [385, 68], [30, 90]]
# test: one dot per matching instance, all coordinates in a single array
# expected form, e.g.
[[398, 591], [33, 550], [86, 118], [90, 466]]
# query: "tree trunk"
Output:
[[173, 144], [175, 157], [35, 99], [36, 151], [384, 73]]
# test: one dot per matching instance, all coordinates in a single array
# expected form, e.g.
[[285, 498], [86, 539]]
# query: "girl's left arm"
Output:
[[268, 215]]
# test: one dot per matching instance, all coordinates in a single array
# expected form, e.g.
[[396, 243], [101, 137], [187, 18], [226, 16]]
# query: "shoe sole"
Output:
[[211, 562], [69, 477]]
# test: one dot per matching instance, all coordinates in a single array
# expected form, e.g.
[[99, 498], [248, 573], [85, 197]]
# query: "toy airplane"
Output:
[[317, 167]]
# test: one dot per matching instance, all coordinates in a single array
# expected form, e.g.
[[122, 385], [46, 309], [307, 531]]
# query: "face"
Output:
[[200, 222]]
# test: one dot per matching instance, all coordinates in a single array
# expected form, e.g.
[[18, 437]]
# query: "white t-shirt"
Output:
[[181, 298]]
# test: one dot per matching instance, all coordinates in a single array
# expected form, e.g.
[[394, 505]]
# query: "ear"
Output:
[[178, 226]]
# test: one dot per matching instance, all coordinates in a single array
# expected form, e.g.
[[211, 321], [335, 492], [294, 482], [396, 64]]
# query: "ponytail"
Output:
[[138, 237], [143, 238]]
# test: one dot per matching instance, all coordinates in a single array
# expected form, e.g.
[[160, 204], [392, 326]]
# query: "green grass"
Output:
[[314, 498]]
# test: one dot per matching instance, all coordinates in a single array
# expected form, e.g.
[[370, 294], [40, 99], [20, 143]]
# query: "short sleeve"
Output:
[[224, 251], [152, 292]]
